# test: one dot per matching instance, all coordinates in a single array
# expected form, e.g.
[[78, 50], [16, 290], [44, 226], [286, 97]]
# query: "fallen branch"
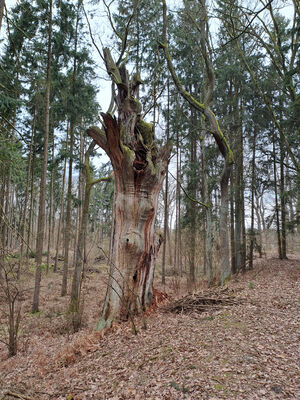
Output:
[[202, 302], [19, 396]]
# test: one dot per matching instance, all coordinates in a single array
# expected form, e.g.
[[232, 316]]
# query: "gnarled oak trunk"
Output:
[[139, 169]]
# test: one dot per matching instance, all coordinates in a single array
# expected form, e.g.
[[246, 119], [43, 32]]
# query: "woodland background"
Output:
[[52, 89]]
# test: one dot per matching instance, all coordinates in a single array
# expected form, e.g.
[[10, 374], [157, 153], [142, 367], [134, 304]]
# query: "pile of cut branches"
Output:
[[209, 300]]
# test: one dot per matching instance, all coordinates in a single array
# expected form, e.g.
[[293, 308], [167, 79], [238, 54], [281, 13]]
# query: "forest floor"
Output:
[[249, 350]]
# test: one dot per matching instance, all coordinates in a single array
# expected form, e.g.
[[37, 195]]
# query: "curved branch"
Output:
[[99, 137], [203, 108]]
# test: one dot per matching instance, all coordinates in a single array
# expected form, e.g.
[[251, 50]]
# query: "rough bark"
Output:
[[139, 169]]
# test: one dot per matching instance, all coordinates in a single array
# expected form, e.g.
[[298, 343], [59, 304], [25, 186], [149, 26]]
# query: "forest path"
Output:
[[246, 351]]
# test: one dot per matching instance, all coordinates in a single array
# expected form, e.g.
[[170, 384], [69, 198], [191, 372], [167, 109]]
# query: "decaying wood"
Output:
[[18, 396], [139, 165], [202, 302]]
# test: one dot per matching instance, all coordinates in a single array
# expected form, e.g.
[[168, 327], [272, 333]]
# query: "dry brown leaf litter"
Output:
[[249, 350]]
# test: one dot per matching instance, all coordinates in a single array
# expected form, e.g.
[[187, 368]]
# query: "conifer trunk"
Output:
[[68, 216], [61, 211], [277, 205], [42, 200]]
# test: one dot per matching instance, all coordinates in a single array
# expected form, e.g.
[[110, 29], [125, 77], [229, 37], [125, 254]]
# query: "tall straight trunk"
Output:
[[2, 223], [80, 193], [283, 200], [166, 208], [42, 200], [225, 267], [191, 207], [242, 197], [276, 204], [139, 169], [8, 194], [169, 239], [62, 208], [68, 215], [179, 238], [30, 214], [208, 238], [298, 203], [252, 233], [50, 217], [238, 206], [260, 225], [163, 275], [7, 230], [232, 225], [176, 257], [69, 192], [29, 165], [243, 231]]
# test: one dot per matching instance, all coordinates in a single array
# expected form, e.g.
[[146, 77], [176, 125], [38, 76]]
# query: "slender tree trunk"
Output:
[[298, 203], [208, 242], [232, 225], [50, 218], [169, 239], [23, 224], [238, 206], [276, 204], [260, 227], [283, 200], [191, 207], [2, 223], [30, 214], [166, 208], [177, 206], [242, 198], [80, 193], [41, 218], [179, 247], [68, 216], [72, 139], [225, 268], [163, 276], [252, 233], [62, 203]]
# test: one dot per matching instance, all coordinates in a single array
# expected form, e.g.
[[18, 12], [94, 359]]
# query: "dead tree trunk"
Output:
[[139, 169]]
